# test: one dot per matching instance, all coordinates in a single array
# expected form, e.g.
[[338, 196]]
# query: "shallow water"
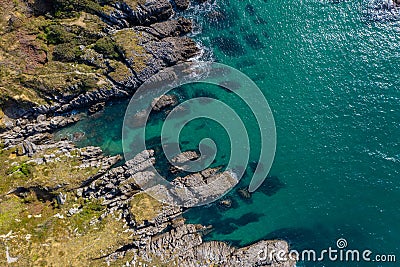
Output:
[[332, 80]]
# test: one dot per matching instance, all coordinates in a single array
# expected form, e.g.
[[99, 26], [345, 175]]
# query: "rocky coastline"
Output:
[[87, 207]]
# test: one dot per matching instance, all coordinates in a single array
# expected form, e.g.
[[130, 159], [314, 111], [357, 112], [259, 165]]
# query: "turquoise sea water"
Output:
[[332, 79]]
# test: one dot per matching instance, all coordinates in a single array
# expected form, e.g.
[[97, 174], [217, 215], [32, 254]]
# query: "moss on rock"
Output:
[[107, 47], [144, 207], [130, 44]]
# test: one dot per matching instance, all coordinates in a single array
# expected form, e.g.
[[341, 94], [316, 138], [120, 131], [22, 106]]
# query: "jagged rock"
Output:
[[61, 198], [73, 211], [123, 15], [21, 122], [9, 124], [29, 148], [60, 121], [172, 50], [244, 193], [225, 203], [41, 118], [26, 148], [181, 159], [177, 222], [97, 107], [221, 253], [184, 157], [42, 127], [182, 4], [163, 102], [91, 152], [16, 129], [91, 57], [174, 27], [152, 11], [210, 171], [191, 180], [184, 238]]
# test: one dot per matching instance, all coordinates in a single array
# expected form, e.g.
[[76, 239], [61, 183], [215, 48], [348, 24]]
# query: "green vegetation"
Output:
[[44, 55], [24, 169], [36, 55], [120, 72], [42, 232], [70, 8], [19, 171], [2, 125], [42, 235], [129, 44], [57, 34], [39, 230], [107, 47], [66, 52], [144, 207]]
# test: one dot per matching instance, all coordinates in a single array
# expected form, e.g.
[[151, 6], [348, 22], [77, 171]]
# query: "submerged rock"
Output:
[[77, 136], [96, 107], [229, 46], [254, 41], [250, 9], [182, 4], [244, 193]]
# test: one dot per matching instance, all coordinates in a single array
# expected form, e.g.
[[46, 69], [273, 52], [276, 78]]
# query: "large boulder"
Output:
[[182, 4]]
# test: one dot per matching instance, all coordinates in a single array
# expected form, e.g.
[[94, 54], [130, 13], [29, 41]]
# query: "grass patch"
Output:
[[144, 207], [128, 43]]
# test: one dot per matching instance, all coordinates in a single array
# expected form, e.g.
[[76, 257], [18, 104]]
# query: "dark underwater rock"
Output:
[[96, 107], [259, 21], [182, 4], [244, 193], [218, 19], [230, 46], [250, 9], [253, 41], [271, 185]]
